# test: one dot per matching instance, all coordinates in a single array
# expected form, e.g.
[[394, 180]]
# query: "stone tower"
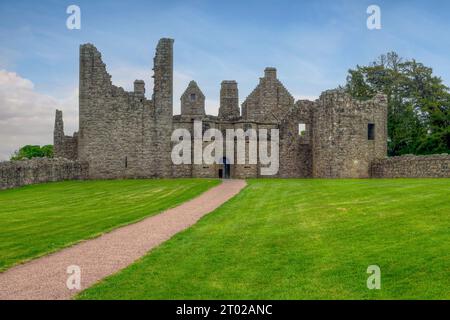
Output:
[[229, 100], [193, 101], [163, 104], [94, 85], [58, 134], [348, 135]]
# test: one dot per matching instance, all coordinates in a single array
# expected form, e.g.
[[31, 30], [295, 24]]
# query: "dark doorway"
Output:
[[226, 171]]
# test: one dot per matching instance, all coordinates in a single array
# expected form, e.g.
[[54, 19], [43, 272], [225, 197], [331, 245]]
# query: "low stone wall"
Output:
[[409, 166], [19, 173]]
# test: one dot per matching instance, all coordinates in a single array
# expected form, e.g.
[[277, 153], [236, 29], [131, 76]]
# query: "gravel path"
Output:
[[45, 278]]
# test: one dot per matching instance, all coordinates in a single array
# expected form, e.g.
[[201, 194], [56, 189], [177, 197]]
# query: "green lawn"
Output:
[[38, 219], [304, 239]]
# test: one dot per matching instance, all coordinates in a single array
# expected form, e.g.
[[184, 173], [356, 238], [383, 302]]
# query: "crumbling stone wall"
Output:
[[111, 120], [38, 170], [334, 143], [410, 166], [229, 118], [296, 147], [64, 146], [123, 134]]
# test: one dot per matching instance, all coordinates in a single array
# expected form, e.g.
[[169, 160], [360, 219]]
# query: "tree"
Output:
[[29, 151], [418, 103]]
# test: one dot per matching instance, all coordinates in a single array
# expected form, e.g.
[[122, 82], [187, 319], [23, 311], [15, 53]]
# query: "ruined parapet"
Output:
[[348, 135], [296, 132], [63, 146], [192, 101], [269, 102], [94, 79], [229, 100]]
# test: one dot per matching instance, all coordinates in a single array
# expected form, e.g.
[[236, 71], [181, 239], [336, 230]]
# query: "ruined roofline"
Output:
[[270, 73], [211, 118], [192, 85], [90, 50], [340, 95]]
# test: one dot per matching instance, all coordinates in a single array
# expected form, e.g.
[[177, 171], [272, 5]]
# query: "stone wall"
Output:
[[64, 146], [111, 121], [229, 101], [409, 166], [19, 173], [295, 146], [341, 146], [163, 104], [122, 134]]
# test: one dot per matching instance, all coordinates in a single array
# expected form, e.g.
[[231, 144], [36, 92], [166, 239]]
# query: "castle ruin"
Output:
[[125, 135]]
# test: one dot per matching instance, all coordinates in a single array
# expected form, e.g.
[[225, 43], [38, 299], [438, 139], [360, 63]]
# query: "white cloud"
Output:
[[27, 116]]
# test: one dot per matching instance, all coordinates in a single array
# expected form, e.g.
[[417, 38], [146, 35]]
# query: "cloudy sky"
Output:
[[311, 43]]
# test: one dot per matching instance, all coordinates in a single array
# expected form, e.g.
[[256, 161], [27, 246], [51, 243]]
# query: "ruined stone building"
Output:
[[125, 135]]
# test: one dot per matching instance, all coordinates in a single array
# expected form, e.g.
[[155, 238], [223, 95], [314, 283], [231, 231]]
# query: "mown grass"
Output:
[[38, 219], [303, 239]]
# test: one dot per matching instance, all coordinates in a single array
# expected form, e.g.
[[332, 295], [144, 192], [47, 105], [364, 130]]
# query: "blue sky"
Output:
[[311, 43]]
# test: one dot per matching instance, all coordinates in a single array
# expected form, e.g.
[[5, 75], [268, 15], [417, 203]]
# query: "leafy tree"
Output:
[[47, 150], [418, 103], [29, 151]]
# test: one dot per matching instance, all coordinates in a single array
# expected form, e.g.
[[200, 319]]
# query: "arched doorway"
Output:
[[225, 171]]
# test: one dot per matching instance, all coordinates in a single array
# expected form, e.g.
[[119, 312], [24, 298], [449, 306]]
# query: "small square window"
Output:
[[193, 97], [302, 129], [371, 131]]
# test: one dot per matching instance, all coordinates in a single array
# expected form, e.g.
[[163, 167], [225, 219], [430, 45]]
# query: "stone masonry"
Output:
[[125, 135], [410, 166], [19, 173]]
